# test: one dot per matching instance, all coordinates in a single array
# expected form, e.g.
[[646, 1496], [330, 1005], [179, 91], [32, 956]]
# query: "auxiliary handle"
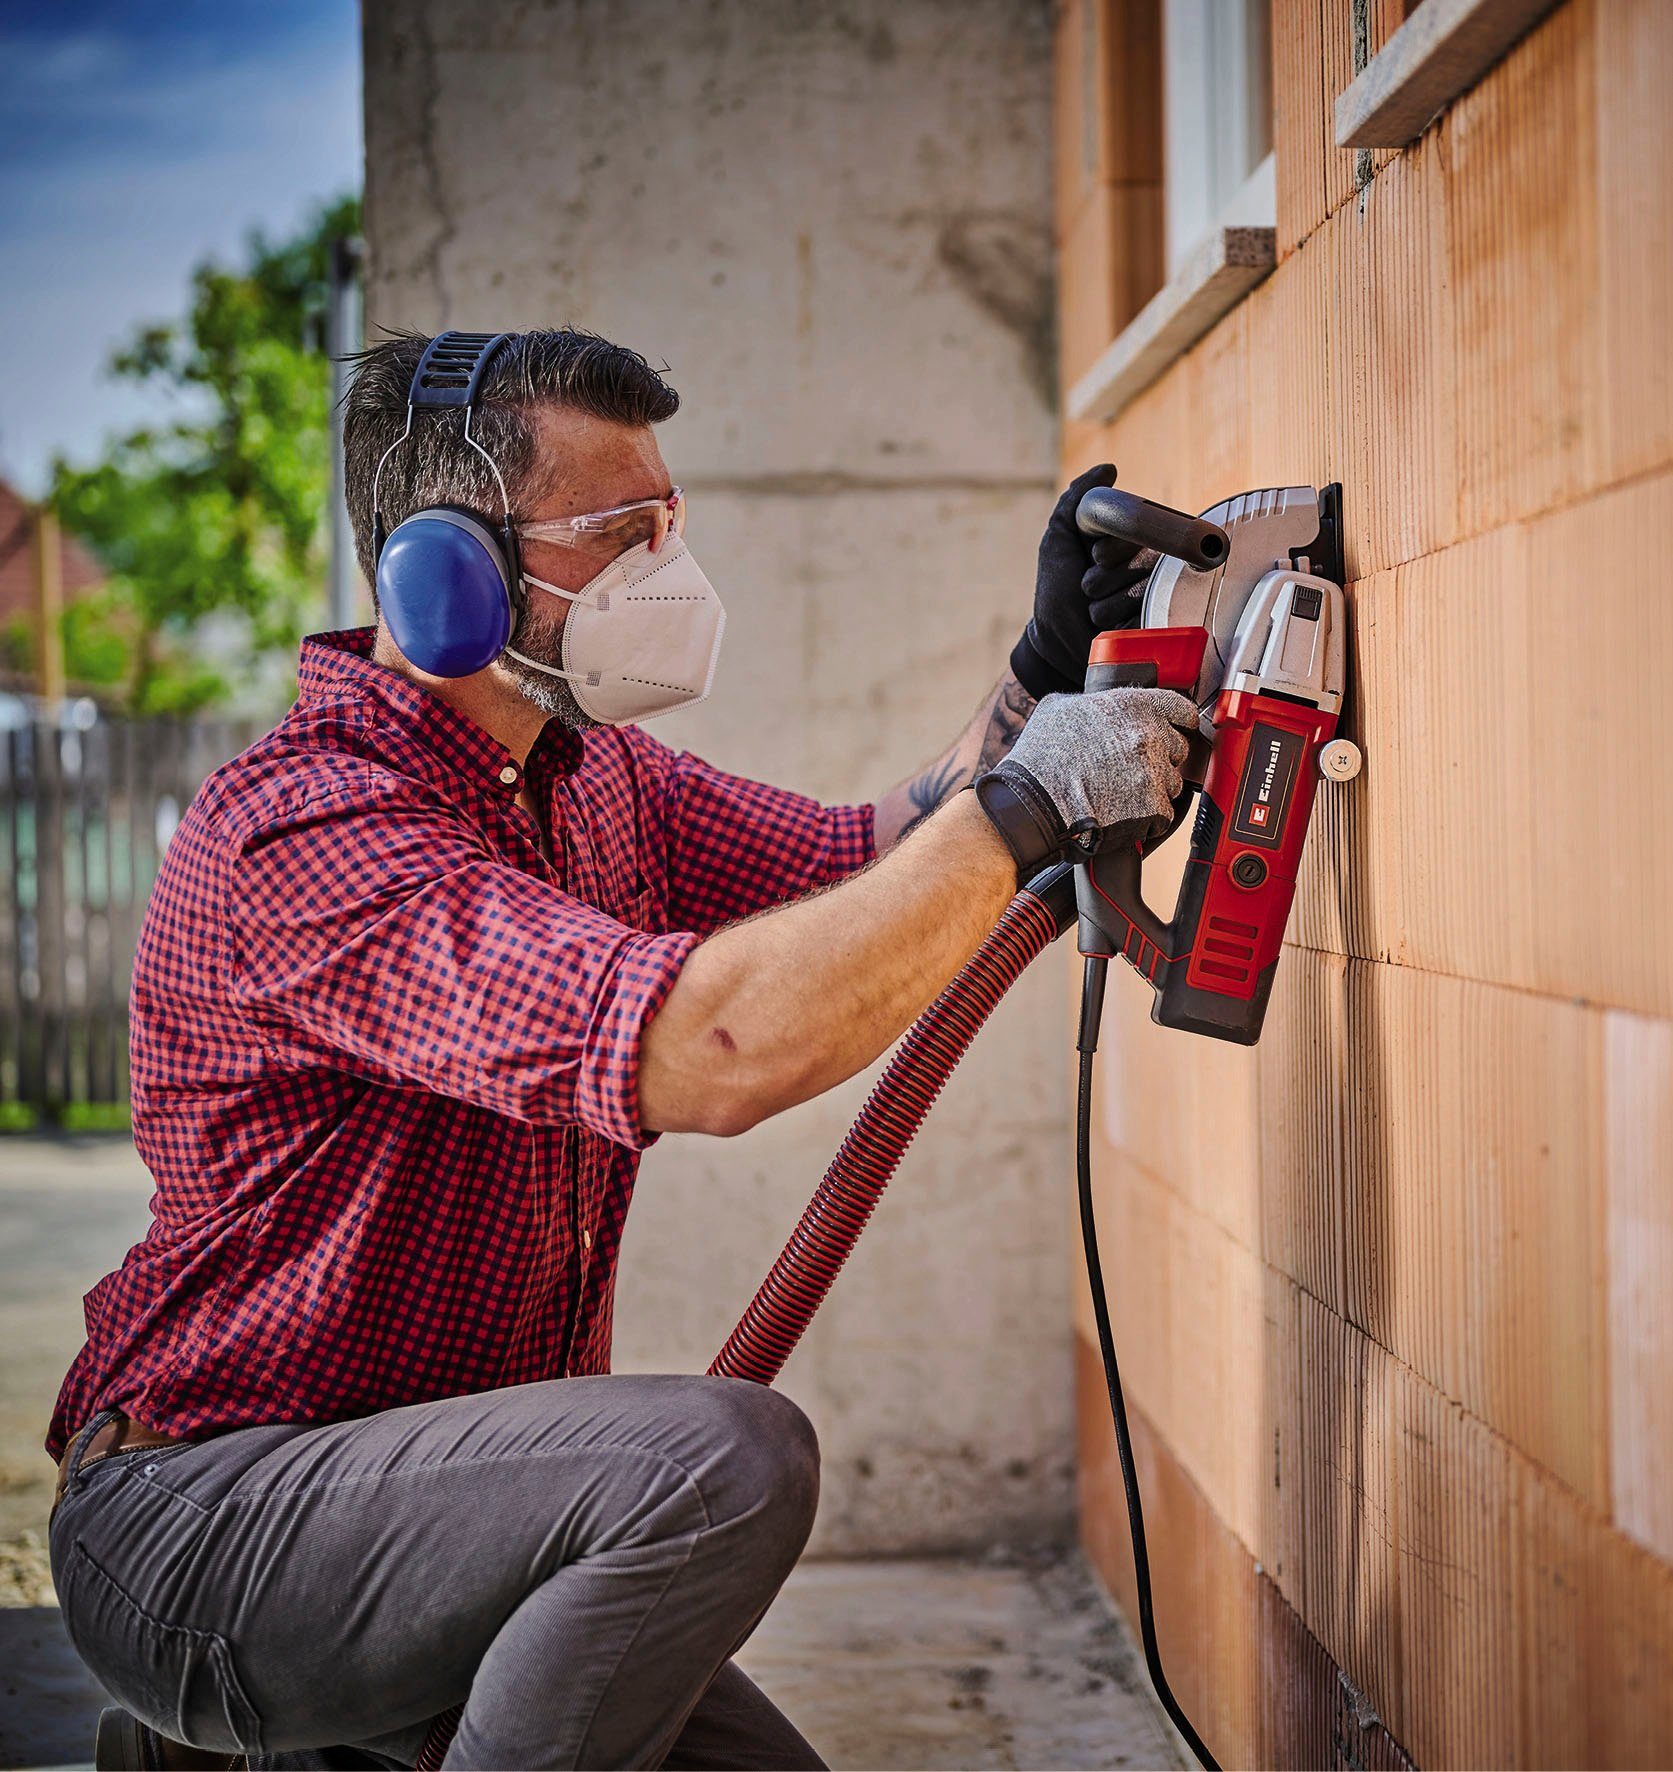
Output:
[[1106, 511]]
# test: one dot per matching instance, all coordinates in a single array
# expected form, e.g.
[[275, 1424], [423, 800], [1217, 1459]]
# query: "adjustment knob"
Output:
[[1340, 760]]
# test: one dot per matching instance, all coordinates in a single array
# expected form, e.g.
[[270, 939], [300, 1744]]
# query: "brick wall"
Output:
[[1394, 1292]]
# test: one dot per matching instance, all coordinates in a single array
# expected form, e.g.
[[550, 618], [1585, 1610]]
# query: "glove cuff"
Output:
[[1036, 673], [1023, 814]]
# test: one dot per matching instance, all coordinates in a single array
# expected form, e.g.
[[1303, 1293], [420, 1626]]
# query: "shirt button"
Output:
[[586, 1240], [508, 775]]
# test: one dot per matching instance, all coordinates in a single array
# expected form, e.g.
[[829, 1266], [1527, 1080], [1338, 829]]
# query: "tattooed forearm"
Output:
[[987, 738], [1012, 704]]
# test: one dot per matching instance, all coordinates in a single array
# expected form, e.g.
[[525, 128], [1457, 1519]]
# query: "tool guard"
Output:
[[1259, 641]]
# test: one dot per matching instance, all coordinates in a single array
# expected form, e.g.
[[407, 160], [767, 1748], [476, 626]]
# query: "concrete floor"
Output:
[[880, 1663]]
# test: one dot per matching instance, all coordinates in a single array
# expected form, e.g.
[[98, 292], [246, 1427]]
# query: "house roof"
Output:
[[17, 558]]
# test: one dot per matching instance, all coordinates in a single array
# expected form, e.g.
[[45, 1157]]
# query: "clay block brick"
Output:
[[1202, 1332], [1393, 365], [1259, 1686], [1345, 1504], [1410, 1520], [1450, 1485], [1638, 1162], [1301, 1064], [1594, 1637], [1480, 716], [1107, 119], [1299, 118], [1474, 1203], [1522, 233], [1109, 266], [1634, 51], [1151, 442], [1288, 379], [1219, 414], [1336, 71], [1182, 1117]]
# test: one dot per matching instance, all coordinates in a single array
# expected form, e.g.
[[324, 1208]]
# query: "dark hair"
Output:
[[435, 465]]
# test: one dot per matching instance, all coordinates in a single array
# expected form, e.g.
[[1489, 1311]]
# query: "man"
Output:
[[425, 970]]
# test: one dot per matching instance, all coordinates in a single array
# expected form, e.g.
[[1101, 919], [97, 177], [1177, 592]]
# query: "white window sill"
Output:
[[1213, 280], [1437, 54]]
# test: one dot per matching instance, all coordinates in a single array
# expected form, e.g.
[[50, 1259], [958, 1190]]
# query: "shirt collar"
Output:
[[340, 664]]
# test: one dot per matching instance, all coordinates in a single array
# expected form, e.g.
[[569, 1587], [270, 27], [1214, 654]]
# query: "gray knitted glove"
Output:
[[1089, 767]]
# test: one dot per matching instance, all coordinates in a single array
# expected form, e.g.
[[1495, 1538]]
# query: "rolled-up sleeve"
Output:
[[392, 944], [738, 846]]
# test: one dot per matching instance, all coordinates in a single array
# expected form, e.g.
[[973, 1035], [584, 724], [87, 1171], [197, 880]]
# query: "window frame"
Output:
[[1211, 273]]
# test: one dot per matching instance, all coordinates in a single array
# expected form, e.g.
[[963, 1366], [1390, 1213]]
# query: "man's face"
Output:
[[594, 464]]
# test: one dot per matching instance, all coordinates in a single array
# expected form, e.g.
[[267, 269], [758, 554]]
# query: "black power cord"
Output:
[[1091, 1013]]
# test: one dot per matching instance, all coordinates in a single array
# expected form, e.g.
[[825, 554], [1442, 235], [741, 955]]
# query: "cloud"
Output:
[[124, 160]]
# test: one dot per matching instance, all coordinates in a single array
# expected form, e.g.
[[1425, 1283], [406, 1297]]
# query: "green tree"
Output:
[[219, 506]]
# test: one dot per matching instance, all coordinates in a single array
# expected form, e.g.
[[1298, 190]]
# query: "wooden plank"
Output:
[[51, 1005], [12, 742], [1441, 50], [1216, 276]]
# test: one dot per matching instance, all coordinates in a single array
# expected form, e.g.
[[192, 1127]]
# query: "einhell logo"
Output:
[[1274, 759], [1264, 790]]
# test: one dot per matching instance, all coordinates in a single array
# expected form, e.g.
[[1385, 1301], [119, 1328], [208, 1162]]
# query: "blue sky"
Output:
[[137, 138]]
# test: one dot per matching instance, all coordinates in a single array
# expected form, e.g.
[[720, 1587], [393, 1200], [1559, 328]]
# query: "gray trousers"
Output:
[[575, 1561]]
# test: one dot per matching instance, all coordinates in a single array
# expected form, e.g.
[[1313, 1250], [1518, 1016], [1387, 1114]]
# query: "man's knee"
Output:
[[766, 1456]]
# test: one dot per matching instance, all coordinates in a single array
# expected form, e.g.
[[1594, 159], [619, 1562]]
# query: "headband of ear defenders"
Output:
[[448, 374]]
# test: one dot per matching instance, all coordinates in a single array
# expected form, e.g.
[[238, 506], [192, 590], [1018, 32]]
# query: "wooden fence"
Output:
[[86, 811]]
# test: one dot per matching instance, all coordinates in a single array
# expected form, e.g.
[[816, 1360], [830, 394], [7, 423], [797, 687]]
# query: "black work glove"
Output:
[[1082, 586]]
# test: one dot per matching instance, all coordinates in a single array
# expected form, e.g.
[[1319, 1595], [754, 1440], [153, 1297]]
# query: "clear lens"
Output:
[[620, 530], [617, 530]]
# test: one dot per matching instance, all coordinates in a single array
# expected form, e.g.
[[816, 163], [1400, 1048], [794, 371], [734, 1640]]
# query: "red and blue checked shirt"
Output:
[[384, 1051]]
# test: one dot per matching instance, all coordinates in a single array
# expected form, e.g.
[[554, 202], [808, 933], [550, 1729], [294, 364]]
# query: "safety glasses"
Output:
[[617, 529]]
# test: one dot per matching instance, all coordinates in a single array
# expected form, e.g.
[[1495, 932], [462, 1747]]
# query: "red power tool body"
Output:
[[1267, 654]]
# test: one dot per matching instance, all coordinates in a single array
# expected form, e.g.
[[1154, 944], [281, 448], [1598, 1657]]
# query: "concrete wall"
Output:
[[1391, 1291], [833, 222]]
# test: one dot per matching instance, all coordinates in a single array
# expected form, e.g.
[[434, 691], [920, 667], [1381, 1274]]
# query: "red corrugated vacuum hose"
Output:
[[830, 1227], [779, 1313]]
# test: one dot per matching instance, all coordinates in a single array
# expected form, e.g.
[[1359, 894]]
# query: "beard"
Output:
[[543, 639]]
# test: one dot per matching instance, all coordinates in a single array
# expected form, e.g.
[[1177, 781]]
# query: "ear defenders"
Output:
[[448, 578]]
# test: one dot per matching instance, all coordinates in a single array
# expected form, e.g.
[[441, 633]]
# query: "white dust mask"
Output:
[[642, 638]]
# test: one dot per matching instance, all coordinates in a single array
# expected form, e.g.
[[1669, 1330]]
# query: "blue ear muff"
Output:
[[446, 589]]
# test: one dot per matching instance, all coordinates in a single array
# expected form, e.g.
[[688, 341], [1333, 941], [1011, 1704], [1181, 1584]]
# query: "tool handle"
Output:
[[1106, 511], [1134, 658], [1147, 658]]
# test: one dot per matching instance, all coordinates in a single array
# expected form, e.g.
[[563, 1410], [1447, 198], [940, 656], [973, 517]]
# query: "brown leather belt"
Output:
[[121, 1433]]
